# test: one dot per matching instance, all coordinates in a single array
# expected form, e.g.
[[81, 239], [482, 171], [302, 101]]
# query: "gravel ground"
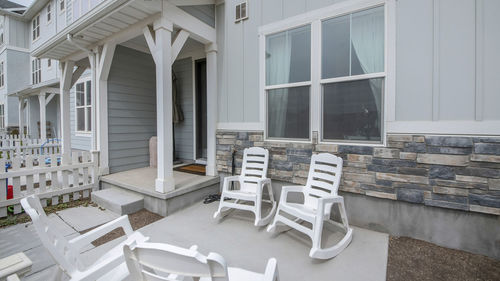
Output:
[[411, 259], [137, 220]]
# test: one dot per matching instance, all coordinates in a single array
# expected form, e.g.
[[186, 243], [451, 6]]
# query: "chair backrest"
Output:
[[55, 243], [255, 161], [323, 179], [158, 261]]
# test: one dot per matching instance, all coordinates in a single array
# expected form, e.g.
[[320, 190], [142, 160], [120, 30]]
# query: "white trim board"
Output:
[[240, 126], [490, 128]]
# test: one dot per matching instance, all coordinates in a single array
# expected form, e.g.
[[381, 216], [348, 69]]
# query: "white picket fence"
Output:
[[49, 178], [13, 146]]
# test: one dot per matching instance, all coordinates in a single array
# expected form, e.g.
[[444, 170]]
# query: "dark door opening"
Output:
[[201, 109]]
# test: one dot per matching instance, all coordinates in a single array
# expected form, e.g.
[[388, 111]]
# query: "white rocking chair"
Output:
[[110, 266], [320, 193], [157, 261], [251, 186]]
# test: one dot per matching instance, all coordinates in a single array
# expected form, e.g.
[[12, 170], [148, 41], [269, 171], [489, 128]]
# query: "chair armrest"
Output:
[[271, 273], [287, 189], [98, 270], [330, 199], [229, 179], [85, 239]]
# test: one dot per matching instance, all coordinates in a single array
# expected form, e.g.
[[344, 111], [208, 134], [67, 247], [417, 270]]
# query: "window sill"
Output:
[[83, 134]]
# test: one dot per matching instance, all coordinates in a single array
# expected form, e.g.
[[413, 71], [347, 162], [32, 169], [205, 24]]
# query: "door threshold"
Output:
[[201, 161]]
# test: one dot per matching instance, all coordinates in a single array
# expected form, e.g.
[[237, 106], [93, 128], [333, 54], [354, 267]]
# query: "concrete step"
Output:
[[120, 201]]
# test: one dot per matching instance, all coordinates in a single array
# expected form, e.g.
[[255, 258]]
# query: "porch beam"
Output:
[[211, 52], [49, 98], [43, 122], [77, 74], [179, 41], [198, 29], [66, 69]]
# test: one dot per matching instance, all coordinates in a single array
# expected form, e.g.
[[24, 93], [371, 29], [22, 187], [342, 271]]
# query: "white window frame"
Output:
[[2, 74], [86, 132], [2, 116], [314, 18], [35, 29], [49, 13], [59, 6], [36, 71]]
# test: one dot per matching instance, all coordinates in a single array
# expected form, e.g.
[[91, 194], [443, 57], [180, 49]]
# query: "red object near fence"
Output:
[[10, 192]]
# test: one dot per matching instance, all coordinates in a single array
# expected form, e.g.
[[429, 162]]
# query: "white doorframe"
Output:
[[194, 58]]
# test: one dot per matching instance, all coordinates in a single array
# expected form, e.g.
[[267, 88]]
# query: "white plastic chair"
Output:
[[157, 261], [66, 253], [320, 193], [251, 185]]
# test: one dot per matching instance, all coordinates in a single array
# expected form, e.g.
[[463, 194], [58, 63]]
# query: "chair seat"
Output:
[[300, 210], [239, 194]]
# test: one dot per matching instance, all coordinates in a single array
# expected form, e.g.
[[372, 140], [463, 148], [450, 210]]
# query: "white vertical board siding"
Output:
[[183, 131], [80, 141], [490, 53], [221, 62], [131, 109], [250, 56], [236, 66], [52, 115], [456, 59], [414, 60], [17, 67], [18, 33]]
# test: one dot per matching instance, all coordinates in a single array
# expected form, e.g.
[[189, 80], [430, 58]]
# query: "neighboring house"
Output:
[[405, 91], [14, 55]]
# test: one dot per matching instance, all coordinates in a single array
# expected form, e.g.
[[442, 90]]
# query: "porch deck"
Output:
[[189, 188]]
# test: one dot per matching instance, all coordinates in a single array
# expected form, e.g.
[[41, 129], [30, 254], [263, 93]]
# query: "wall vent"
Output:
[[241, 12]]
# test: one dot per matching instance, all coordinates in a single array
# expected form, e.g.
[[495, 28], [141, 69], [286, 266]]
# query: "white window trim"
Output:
[[314, 18], [59, 6], [33, 29], [77, 132], [51, 13], [2, 74]]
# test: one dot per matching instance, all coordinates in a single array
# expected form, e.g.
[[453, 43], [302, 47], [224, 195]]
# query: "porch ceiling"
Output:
[[110, 19]]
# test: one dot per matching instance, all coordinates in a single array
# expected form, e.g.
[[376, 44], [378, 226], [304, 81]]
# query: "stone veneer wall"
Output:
[[443, 171]]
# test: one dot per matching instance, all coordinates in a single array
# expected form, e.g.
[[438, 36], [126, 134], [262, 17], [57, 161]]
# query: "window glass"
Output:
[[89, 118], [89, 94], [80, 94], [335, 47], [353, 110], [80, 117], [288, 112], [288, 56], [367, 41]]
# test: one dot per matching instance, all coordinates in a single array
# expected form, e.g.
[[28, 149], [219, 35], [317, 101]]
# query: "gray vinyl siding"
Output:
[[441, 74], [18, 33], [80, 141], [183, 131], [131, 109], [205, 13], [17, 70]]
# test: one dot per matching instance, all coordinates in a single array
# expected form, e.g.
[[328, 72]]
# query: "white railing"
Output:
[[15, 146], [47, 177]]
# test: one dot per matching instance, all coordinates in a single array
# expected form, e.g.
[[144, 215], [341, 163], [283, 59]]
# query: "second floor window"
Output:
[[49, 13], [2, 116], [36, 72], [36, 27], [49, 63], [61, 5], [2, 76], [83, 107]]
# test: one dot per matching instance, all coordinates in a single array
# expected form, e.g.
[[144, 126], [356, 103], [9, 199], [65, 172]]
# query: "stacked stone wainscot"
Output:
[[442, 171]]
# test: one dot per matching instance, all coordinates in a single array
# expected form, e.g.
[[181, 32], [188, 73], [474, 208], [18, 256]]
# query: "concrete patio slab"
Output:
[[249, 247], [83, 218]]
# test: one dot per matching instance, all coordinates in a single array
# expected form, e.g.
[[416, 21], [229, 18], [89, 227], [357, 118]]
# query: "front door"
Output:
[[201, 110]]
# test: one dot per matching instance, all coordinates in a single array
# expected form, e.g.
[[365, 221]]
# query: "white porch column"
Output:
[[163, 59], [93, 114], [65, 86], [211, 51], [43, 123], [21, 116]]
